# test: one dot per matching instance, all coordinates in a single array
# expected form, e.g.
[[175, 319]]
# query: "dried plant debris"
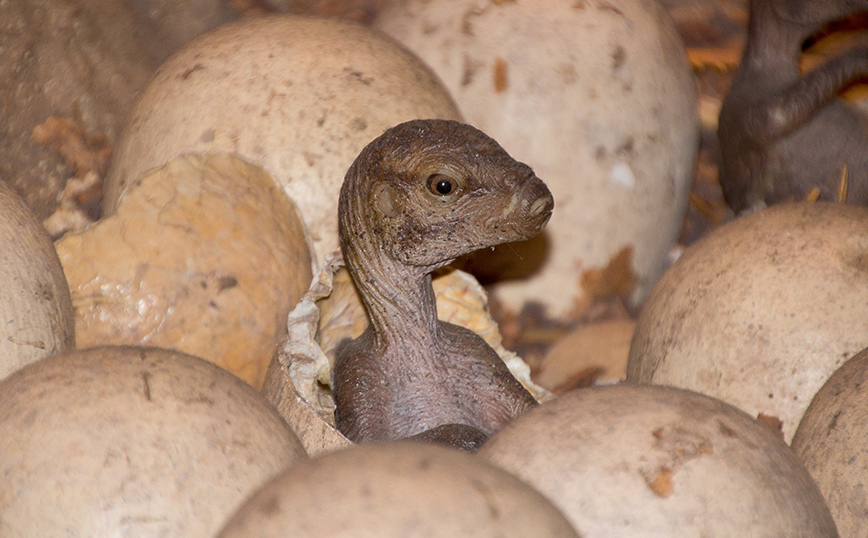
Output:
[[87, 154], [73, 58], [84, 151]]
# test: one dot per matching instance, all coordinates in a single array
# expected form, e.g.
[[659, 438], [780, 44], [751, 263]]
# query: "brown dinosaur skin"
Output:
[[782, 133], [409, 374]]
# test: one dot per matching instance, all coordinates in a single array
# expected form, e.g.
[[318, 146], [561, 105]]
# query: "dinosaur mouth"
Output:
[[536, 207]]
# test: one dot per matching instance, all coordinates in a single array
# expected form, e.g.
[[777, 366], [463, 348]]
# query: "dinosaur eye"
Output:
[[441, 185]]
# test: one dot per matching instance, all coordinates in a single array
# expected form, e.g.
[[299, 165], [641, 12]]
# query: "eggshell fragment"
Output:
[[126, 441], [761, 311], [299, 378], [397, 490], [597, 97], [298, 96], [645, 461], [36, 316], [594, 353], [830, 440], [205, 255]]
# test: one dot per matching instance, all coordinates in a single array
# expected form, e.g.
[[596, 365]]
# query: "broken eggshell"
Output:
[[597, 97], [205, 255], [299, 96], [631, 461], [760, 311], [299, 377], [595, 353]]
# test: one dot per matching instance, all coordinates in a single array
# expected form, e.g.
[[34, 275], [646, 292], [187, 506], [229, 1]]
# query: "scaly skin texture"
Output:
[[782, 133], [416, 198]]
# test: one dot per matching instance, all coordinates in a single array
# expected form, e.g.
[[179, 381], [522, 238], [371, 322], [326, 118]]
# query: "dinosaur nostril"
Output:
[[539, 205]]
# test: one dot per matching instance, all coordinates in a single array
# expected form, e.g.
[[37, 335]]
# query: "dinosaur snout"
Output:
[[536, 203]]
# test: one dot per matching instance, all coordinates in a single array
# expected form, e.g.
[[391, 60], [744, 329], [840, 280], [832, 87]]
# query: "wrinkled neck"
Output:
[[399, 298]]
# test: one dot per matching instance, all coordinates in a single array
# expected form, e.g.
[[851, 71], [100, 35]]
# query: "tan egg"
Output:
[[205, 255], [830, 440], [83, 59], [127, 441], [597, 97], [761, 311], [298, 96], [397, 490], [594, 353], [36, 316], [298, 382], [637, 461]]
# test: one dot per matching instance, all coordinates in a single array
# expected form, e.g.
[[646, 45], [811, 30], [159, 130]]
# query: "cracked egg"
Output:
[[299, 96], [298, 379], [205, 255], [128, 441], [597, 97], [637, 461]]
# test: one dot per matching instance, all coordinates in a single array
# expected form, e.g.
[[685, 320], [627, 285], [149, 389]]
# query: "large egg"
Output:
[[644, 461], [397, 490], [761, 311], [298, 96], [597, 97], [36, 316], [830, 440], [205, 255], [126, 441]]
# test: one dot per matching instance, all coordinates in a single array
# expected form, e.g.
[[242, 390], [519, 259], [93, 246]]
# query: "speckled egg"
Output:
[[597, 97], [830, 440], [397, 490], [761, 311], [298, 96], [127, 441], [36, 316], [632, 461]]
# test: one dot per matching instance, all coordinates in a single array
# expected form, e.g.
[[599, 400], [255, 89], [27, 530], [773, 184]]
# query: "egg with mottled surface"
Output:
[[205, 255], [299, 96], [830, 440], [127, 441], [36, 315], [644, 461], [397, 490], [597, 97], [761, 311]]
